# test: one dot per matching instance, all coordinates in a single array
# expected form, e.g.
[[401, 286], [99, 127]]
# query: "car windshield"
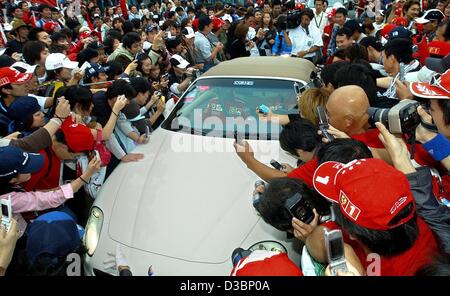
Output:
[[224, 107]]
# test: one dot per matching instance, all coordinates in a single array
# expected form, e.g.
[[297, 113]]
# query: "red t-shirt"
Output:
[[306, 171], [423, 252], [47, 177]]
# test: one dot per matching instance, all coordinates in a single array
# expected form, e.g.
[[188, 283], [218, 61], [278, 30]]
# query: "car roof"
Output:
[[282, 67]]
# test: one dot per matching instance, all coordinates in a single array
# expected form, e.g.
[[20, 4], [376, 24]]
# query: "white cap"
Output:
[[431, 14], [28, 68], [181, 63], [58, 60], [190, 33], [84, 29], [227, 17]]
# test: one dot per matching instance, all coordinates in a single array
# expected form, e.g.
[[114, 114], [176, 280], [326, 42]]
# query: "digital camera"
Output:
[[400, 119]]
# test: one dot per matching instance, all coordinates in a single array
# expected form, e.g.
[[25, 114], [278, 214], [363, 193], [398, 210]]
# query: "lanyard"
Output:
[[320, 22]]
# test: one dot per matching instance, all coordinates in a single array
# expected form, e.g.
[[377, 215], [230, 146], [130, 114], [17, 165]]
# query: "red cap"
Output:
[[50, 27], [11, 75], [438, 88], [332, 13], [85, 34], [387, 29], [195, 23], [400, 21], [217, 23], [78, 136], [369, 191], [266, 263]]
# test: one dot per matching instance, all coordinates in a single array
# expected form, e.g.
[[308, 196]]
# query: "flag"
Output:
[[33, 19], [52, 3], [123, 6], [3, 39]]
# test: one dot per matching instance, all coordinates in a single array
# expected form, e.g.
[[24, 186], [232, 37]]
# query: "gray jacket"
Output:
[[436, 215]]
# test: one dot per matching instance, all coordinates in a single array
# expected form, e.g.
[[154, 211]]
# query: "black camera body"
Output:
[[400, 119], [299, 208], [293, 19]]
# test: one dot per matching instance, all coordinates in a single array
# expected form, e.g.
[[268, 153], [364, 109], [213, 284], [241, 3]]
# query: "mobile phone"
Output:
[[97, 154], [263, 109], [297, 206], [238, 139], [335, 251], [266, 30], [401, 74], [323, 123], [276, 164], [165, 76], [6, 213], [147, 132], [163, 98]]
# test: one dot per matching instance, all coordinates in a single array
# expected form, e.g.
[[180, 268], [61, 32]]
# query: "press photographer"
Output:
[[306, 37], [180, 76]]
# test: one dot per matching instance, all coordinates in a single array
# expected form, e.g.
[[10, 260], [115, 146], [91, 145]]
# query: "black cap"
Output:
[[353, 25], [373, 42]]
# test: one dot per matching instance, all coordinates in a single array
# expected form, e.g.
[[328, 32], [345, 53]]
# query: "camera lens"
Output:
[[378, 115]]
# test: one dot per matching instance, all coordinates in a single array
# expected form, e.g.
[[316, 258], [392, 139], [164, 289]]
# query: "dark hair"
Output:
[[308, 12], [344, 31], [203, 22], [109, 44], [136, 23], [121, 87], [358, 74], [115, 69], [32, 51], [80, 95], [141, 58], [387, 243], [271, 203], [439, 267], [299, 134], [343, 151], [401, 48], [33, 34], [130, 38], [113, 33], [408, 5], [318, 0], [447, 31], [127, 27], [140, 84], [341, 10], [328, 72], [241, 31], [445, 106], [356, 52]]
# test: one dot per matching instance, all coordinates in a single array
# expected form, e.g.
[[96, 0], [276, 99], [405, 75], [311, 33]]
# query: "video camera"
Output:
[[400, 119]]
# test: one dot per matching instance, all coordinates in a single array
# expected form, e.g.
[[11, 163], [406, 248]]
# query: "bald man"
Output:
[[347, 110]]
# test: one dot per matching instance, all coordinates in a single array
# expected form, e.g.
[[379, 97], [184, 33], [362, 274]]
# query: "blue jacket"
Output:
[[280, 47]]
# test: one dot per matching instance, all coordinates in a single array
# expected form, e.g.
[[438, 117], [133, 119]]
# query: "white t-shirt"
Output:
[[302, 41], [321, 21]]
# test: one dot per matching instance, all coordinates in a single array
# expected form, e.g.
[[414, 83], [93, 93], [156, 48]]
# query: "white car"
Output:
[[187, 205]]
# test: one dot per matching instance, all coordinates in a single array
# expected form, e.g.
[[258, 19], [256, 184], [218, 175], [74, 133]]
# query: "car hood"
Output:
[[185, 204]]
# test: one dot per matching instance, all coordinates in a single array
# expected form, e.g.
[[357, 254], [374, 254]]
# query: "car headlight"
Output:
[[93, 230]]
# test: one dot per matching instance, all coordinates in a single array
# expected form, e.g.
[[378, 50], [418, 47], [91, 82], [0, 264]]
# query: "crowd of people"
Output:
[[83, 83]]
